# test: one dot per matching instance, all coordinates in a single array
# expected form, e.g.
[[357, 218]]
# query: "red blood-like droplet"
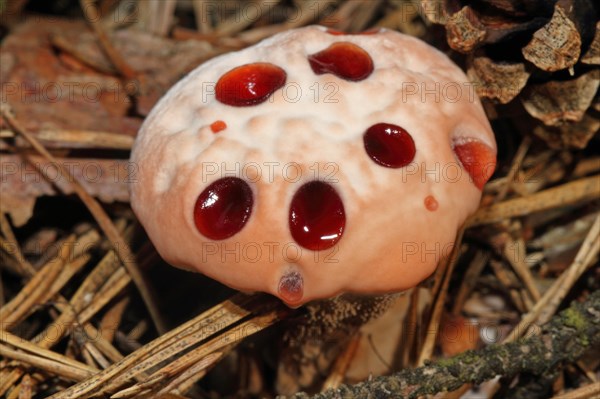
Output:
[[218, 126], [344, 60], [389, 145], [431, 203], [317, 217], [477, 158], [223, 208], [249, 84]]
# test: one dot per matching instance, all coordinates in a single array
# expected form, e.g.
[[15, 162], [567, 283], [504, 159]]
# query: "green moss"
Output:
[[574, 319], [446, 362], [469, 357], [464, 358]]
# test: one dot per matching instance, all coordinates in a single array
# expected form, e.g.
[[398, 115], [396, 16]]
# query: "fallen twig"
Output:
[[566, 194], [568, 336]]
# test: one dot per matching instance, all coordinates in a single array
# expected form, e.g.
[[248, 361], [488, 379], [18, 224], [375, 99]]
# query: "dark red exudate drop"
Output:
[[478, 159], [317, 218], [223, 208], [389, 145], [343, 59], [249, 84]]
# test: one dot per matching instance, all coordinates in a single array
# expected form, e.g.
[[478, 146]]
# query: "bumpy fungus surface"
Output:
[[314, 163]]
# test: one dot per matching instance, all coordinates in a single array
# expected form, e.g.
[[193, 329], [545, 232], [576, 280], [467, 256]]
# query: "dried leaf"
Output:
[[46, 93], [22, 181]]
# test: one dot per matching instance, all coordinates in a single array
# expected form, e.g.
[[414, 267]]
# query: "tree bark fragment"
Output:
[[531, 51]]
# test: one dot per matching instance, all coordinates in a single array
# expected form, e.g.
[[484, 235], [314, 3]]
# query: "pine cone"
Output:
[[542, 56]]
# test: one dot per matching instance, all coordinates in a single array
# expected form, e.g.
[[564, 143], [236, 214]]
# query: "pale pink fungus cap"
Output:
[[394, 215]]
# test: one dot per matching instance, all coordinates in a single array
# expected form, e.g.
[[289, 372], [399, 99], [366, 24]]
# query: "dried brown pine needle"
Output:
[[105, 223], [185, 381], [440, 301], [561, 286], [112, 318], [81, 139], [180, 339], [12, 247], [338, 371], [469, 281], [25, 346], [58, 368], [570, 193], [515, 252], [82, 298], [585, 392], [22, 304], [92, 16]]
